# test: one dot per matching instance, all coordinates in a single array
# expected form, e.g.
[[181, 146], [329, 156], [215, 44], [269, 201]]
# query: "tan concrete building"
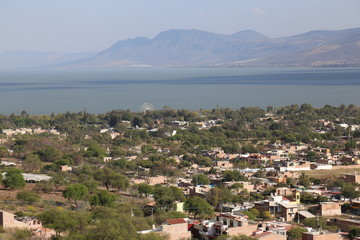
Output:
[[223, 164], [330, 209], [176, 229], [324, 235]]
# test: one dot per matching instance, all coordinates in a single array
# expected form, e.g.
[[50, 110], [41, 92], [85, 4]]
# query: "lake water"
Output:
[[98, 91]]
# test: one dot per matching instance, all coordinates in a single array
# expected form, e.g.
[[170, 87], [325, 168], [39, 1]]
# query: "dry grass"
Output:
[[9, 203], [328, 174]]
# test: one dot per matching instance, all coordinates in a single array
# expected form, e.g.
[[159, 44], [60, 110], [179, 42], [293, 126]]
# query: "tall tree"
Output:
[[200, 179], [75, 192], [198, 206]]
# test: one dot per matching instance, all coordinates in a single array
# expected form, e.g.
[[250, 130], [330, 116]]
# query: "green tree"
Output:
[[119, 181], [95, 150], [64, 221], [14, 179], [166, 196], [145, 188], [110, 178], [295, 233], [348, 191], [237, 187], [200, 179], [313, 223], [254, 211], [3, 151], [49, 154], [198, 206], [215, 196], [304, 180], [91, 185], [102, 198], [229, 175], [28, 197], [307, 198], [75, 192], [59, 180], [350, 145], [312, 156], [249, 214], [32, 163], [266, 215], [120, 228]]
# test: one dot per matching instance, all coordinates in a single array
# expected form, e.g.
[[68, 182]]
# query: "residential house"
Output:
[[287, 211], [223, 164], [224, 224], [173, 229]]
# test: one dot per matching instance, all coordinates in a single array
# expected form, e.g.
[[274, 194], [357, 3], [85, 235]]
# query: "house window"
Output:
[[217, 218], [291, 210], [225, 222], [217, 231], [231, 223]]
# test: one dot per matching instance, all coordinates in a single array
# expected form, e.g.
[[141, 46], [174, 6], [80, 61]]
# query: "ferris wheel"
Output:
[[147, 107]]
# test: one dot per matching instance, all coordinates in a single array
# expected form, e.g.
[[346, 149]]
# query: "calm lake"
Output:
[[98, 91]]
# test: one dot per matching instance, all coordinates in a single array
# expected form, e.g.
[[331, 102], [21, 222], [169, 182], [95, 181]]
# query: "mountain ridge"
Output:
[[184, 48], [198, 48]]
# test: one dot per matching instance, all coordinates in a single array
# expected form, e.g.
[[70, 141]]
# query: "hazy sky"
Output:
[[93, 25]]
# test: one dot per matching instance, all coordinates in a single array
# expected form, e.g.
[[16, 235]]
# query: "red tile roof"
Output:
[[175, 221]]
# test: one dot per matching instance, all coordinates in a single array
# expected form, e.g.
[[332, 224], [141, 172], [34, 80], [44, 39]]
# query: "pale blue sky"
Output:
[[93, 25]]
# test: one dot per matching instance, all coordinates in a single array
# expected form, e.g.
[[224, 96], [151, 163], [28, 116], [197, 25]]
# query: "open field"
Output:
[[333, 173]]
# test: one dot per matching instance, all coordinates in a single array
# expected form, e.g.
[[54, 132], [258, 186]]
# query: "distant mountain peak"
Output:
[[250, 35], [176, 33]]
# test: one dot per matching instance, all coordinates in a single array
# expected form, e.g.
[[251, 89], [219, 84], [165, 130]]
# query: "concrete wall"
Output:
[[6, 219], [176, 231], [328, 236], [330, 209]]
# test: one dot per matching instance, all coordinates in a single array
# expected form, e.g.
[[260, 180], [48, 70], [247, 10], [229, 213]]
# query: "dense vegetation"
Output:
[[98, 193]]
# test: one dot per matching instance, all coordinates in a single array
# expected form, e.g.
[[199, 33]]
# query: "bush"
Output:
[[354, 233], [249, 214], [28, 197], [14, 179]]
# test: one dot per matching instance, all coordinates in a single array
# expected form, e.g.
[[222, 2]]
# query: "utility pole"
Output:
[[152, 214]]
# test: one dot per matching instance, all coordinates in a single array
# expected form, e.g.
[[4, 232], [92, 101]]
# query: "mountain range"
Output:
[[196, 48]]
